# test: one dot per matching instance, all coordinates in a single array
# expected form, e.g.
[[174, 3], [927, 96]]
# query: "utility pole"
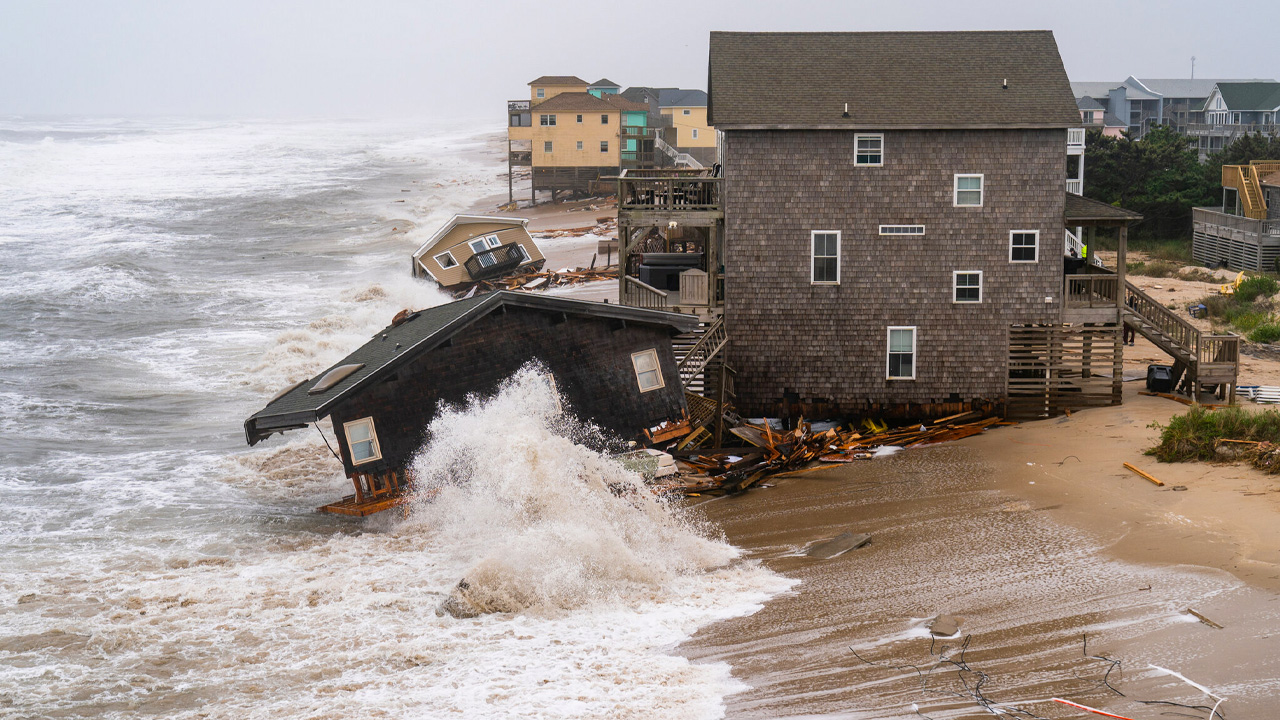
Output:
[[1193, 67]]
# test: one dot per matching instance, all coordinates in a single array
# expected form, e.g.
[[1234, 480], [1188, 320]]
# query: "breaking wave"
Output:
[[542, 522]]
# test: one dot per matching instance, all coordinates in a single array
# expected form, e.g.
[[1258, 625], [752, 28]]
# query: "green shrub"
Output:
[[1198, 275], [1193, 436], [1153, 268], [1257, 286], [1178, 251], [1267, 333]]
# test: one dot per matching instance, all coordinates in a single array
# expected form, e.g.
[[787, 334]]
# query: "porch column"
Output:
[[1122, 295]]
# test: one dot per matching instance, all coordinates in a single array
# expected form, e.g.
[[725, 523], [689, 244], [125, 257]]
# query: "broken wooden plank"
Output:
[[1205, 620], [1144, 475]]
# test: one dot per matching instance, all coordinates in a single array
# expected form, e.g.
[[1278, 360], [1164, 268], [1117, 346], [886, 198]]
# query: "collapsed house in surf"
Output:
[[471, 248], [896, 229], [613, 365]]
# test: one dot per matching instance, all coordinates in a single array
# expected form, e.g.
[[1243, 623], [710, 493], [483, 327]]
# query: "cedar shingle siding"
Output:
[[828, 343]]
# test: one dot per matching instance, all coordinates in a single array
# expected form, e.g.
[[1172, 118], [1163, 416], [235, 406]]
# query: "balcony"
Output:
[[517, 106], [1075, 186], [495, 262], [1214, 130], [1240, 242], [1075, 141], [669, 190]]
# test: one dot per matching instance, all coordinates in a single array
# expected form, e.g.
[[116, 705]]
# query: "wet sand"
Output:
[[1031, 555]]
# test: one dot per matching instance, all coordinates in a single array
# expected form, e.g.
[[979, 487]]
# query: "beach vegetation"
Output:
[[1194, 435]]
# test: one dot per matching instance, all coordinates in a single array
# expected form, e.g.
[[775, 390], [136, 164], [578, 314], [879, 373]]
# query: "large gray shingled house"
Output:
[[894, 220]]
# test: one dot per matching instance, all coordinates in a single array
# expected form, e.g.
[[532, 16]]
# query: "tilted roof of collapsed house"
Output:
[[424, 330], [890, 80], [457, 220], [586, 102], [558, 80], [1246, 96]]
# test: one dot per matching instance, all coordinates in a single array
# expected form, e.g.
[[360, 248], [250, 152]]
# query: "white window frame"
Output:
[[693, 133], [955, 189], [604, 146], [449, 255], [492, 240], [579, 144], [902, 230], [546, 146], [686, 111], [955, 286], [887, 354], [868, 136], [813, 257], [547, 120], [477, 250], [1035, 247], [657, 368], [373, 438], [540, 92]]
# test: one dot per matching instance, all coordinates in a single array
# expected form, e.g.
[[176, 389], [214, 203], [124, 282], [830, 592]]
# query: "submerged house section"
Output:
[[470, 248], [613, 365]]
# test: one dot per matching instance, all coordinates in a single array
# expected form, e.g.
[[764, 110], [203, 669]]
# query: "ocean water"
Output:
[[160, 281]]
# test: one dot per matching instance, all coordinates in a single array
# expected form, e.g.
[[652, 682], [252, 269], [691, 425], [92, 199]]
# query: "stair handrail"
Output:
[[646, 295], [1181, 332], [696, 360]]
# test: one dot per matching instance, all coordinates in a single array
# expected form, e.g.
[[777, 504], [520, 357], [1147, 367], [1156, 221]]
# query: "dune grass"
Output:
[[1194, 435]]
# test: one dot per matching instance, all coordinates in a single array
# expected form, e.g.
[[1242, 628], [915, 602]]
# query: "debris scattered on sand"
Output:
[[1205, 620], [838, 545], [1144, 475], [945, 626]]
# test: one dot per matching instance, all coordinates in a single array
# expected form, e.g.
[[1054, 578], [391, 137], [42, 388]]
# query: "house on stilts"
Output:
[[889, 231]]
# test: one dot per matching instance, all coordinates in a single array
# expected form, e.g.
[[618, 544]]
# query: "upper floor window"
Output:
[[1023, 245], [870, 150], [579, 145], [362, 440], [685, 112], [604, 146], [694, 133], [1087, 116], [540, 92], [901, 229], [547, 119], [579, 118], [826, 257], [446, 260], [968, 190], [546, 146], [966, 286], [604, 119]]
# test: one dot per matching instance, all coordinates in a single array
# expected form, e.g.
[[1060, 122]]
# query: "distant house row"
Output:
[[1214, 111], [573, 133]]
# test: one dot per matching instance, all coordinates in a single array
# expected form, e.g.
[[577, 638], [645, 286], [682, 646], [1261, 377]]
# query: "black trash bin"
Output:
[[1159, 378]]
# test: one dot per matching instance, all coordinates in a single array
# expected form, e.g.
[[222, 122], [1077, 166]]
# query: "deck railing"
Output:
[[495, 262], [668, 189], [1075, 137], [1181, 332], [1215, 216], [1075, 187], [1219, 348], [1231, 130], [1091, 291], [638, 294]]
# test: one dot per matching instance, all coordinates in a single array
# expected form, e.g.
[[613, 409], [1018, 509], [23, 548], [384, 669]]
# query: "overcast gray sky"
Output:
[[261, 58]]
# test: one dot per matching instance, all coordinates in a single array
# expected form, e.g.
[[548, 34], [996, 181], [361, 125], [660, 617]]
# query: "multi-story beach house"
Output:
[[1244, 232], [891, 233], [1235, 109], [572, 134]]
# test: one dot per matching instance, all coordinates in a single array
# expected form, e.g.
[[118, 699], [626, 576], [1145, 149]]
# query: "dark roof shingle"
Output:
[[890, 80], [1245, 96], [1081, 210], [575, 102], [554, 80]]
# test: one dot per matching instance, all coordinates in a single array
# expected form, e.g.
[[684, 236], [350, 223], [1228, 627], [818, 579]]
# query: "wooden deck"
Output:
[[374, 493]]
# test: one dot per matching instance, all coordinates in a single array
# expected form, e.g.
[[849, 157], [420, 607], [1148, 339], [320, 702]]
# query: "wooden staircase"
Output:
[[1200, 361], [699, 355], [1247, 179]]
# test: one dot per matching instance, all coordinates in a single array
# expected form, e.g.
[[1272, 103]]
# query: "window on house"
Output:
[[540, 92], [902, 353], [579, 119], [492, 240], [446, 260], [547, 119], [694, 133], [1088, 116], [362, 441], [968, 191], [901, 229], [524, 254], [546, 146], [967, 286], [604, 119], [1023, 245], [826, 256], [515, 121], [869, 150], [648, 372], [685, 112], [579, 144], [604, 146]]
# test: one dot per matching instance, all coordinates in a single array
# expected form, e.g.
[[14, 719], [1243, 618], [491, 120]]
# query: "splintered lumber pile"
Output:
[[540, 280], [775, 452]]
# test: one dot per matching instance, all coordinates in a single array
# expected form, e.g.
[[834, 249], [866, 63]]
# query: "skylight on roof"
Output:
[[333, 377]]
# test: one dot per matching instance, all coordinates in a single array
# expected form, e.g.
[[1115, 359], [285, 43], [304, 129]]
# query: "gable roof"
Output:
[[677, 97], [558, 80], [1084, 102], [1110, 120], [1093, 89], [1246, 96], [624, 104], [890, 80], [395, 345], [1189, 88], [457, 220], [1079, 210], [576, 102], [604, 82]]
